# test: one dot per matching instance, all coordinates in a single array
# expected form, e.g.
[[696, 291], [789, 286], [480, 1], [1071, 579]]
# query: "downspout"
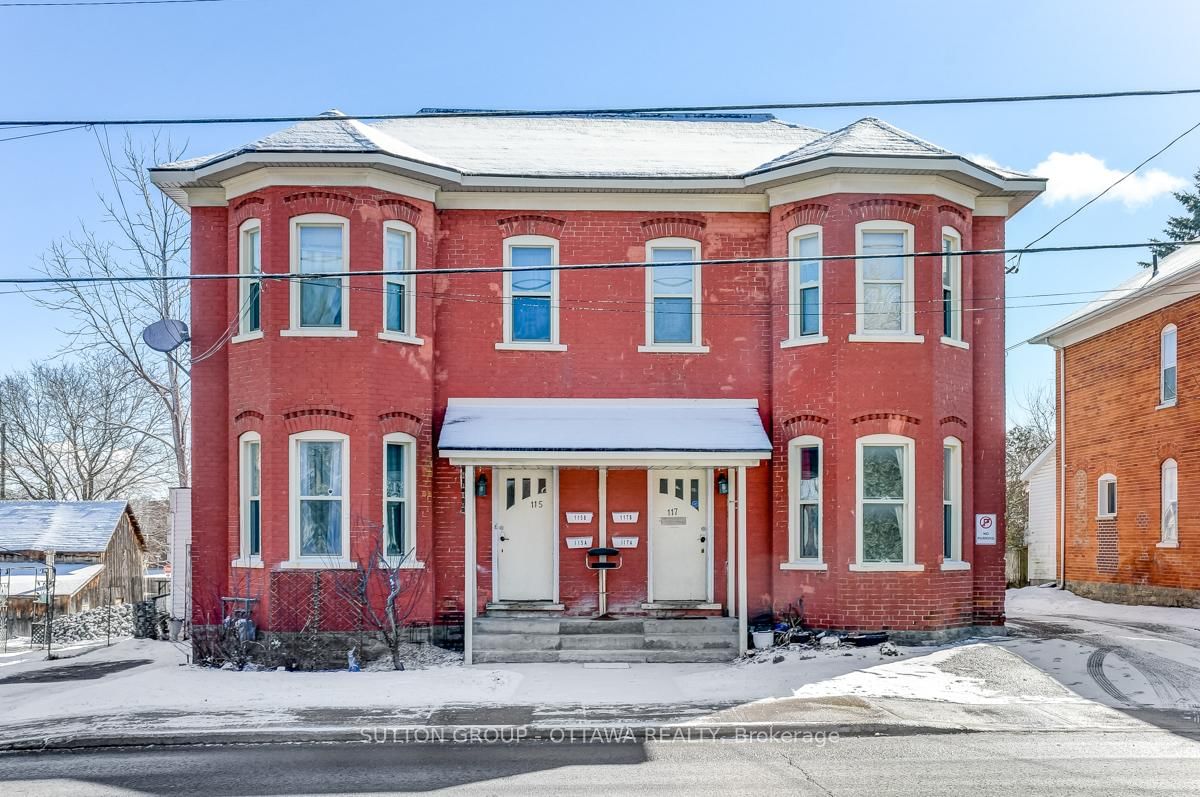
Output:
[[1062, 475]]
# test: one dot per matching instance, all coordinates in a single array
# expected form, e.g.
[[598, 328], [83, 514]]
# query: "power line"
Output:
[[72, 3], [452, 271], [1015, 261], [662, 109], [43, 132]]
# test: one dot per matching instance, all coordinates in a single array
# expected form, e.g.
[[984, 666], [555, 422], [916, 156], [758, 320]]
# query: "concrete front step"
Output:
[[568, 626], [696, 625], [601, 642], [517, 625], [689, 641], [517, 642]]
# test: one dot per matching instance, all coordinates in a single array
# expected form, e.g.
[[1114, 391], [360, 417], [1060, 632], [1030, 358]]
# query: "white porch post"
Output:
[[730, 508], [603, 506], [743, 618], [469, 561]]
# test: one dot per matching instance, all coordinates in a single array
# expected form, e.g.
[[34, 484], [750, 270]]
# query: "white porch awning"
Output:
[[716, 432]]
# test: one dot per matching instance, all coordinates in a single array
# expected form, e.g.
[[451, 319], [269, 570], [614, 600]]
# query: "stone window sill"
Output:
[[530, 346], [891, 567], [955, 564], [862, 338], [1166, 405], [1173, 544], [662, 348], [318, 564], [819, 566], [406, 564], [400, 337], [317, 332], [245, 336], [253, 561], [809, 340], [958, 344]]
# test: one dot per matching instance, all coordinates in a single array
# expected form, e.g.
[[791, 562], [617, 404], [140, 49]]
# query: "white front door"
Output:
[[679, 535], [523, 533]]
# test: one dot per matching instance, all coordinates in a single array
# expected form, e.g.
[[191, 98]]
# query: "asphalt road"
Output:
[[979, 764]]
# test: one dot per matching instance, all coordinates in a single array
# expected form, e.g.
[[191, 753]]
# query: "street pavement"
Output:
[[1059, 763]]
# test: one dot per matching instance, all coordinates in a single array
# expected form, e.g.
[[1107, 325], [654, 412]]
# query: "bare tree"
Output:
[[1025, 441], [83, 431], [385, 594], [142, 234]]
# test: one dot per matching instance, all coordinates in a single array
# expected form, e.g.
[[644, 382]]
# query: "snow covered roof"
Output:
[[656, 428], [449, 150], [62, 526], [1177, 278], [67, 579]]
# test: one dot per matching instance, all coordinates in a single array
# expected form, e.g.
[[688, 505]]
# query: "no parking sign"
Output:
[[985, 529]]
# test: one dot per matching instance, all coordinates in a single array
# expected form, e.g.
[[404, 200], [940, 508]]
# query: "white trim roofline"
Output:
[[1140, 295], [1038, 460]]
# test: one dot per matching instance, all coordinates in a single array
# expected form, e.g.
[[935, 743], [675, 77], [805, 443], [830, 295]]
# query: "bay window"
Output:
[[804, 490], [320, 516], [250, 290], [399, 289], [952, 491], [885, 503], [804, 286], [320, 245], [951, 285], [250, 503], [399, 476], [884, 290]]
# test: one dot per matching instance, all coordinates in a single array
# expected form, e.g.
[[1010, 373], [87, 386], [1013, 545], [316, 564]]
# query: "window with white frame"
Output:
[[320, 245], [399, 476], [804, 484], [320, 464], [1106, 496], [885, 496], [805, 280], [250, 290], [250, 478], [951, 284], [673, 293], [1168, 343], [531, 290], [1170, 502], [885, 279], [399, 296], [952, 499]]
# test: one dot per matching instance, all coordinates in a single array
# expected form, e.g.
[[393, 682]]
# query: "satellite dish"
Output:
[[166, 335]]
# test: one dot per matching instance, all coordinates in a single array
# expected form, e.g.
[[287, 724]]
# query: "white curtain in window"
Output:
[[1170, 501]]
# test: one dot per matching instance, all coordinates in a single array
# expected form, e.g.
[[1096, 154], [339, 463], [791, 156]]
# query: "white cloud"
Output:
[[1080, 176], [984, 160]]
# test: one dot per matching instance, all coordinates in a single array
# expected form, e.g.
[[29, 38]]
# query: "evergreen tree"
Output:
[[1181, 228]]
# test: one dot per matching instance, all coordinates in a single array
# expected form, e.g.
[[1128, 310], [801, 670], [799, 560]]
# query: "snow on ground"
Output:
[[1051, 601]]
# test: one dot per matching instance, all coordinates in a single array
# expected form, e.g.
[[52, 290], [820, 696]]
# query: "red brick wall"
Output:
[[366, 387], [1113, 426]]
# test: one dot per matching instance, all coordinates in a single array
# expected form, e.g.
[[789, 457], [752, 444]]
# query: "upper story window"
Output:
[[952, 313], [886, 518], [1167, 381], [673, 295], [531, 293], [1170, 503], [320, 245], [250, 481], [804, 489], [320, 511], [250, 290], [804, 282], [885, 282], [399, 294], [399, 476], [1106, 495], [952, 491]]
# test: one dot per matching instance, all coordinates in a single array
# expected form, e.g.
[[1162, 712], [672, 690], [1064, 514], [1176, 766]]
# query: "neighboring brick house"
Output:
[[1128, 452], [475, 425]]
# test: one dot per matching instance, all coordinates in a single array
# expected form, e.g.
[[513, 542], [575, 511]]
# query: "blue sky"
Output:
[[253, 57]]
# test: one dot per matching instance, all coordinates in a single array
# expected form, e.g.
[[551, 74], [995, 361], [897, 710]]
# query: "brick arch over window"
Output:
[[805, 424], [954, 419], [801, 215], [891, 209], [952, 216], [303, 202], [673, 227], [247, 201], [886, 423], [314, 417], [400, 421], [399, 210], [531, 224], [1168, 451], [247, 421], [250, 207]]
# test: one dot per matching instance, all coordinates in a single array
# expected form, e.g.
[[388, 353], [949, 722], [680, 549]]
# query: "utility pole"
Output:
[[3, 461]]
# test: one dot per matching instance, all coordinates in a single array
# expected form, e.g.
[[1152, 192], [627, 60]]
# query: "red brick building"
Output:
[[749, 435], [1128, 505]]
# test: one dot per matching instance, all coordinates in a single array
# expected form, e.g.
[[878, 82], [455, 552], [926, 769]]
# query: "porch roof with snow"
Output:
[[715, 432]]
